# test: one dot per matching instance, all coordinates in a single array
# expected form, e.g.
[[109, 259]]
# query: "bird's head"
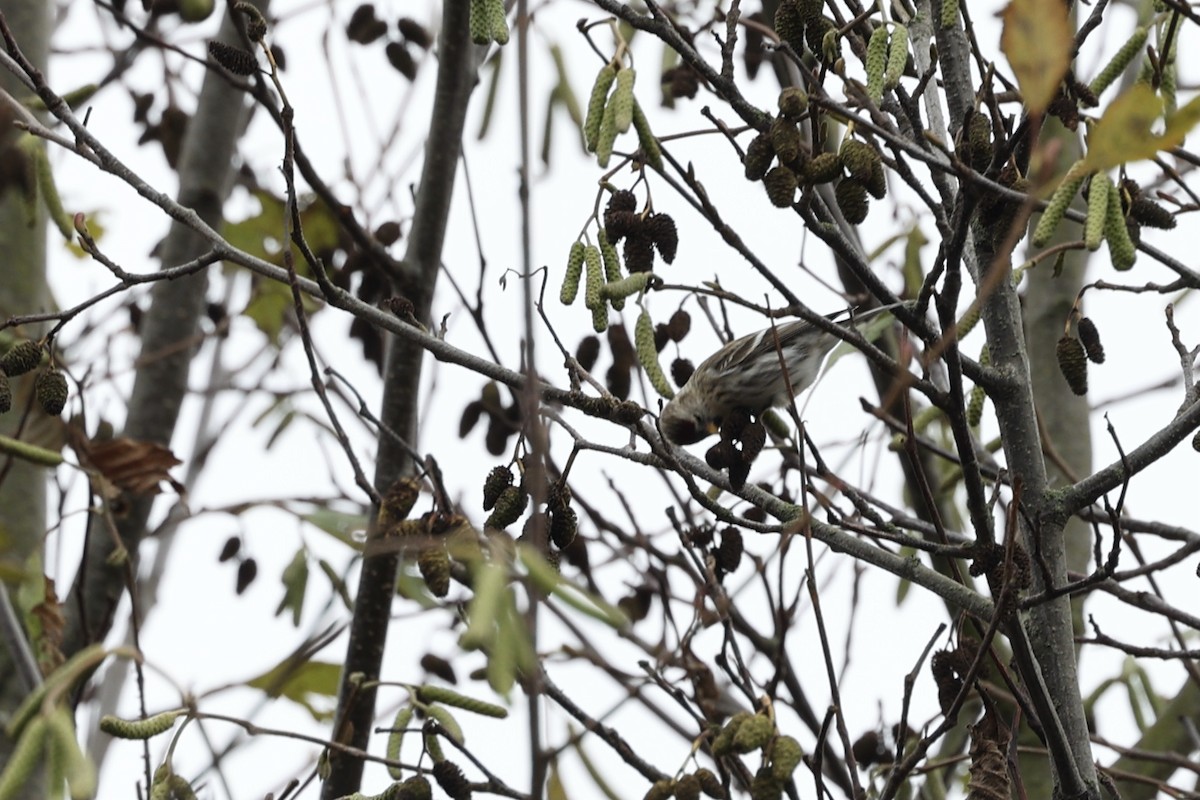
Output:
[[685, 420]]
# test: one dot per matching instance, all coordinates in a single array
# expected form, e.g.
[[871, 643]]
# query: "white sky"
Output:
[[204, 637]]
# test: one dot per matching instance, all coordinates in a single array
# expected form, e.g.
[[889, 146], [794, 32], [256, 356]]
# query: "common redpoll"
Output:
[[746, 373]]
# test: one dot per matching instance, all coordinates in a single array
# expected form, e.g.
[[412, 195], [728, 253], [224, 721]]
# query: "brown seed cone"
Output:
[[5, 394], [681, 370], [1072, 362], [823, 168], [729, 552], [415, 788], [401, 60], [765, 785], [710, 784], [564, 526], [23, 357], [247, 572], [509, 508], [687, 788], [785, 140], [619, 223], [499, 479], [1090, 337], [857, 158], [754, 437], [660, 790], [720, 455], [618, 380], [781, 186], [639, 252], [51, 391], [679, 325], [434, 564], [789, 25], [759, 155], [661, 228], [235, 59], [662, 335], [398, 503], [793, 102], [852, 200], [877, 181], [1151, 214], [621, 200], [450, 777], [588, 352], [415, 32]]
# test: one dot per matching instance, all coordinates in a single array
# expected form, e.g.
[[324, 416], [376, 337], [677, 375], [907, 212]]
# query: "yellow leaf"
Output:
[[1037, 40], [554, 785], [1124, 133]]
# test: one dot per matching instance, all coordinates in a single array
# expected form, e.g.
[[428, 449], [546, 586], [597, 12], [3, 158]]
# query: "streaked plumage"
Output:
[[746, 373]]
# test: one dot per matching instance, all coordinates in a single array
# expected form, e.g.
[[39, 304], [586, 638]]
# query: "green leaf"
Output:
[[295, 584], [1038, 41], [301, 683], [550, 582], [1124, 133], [345, 527], [269, 303]]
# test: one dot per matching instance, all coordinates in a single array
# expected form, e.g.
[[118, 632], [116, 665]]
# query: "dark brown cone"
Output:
[[234, 59], [1090, 337], [1072, 362]]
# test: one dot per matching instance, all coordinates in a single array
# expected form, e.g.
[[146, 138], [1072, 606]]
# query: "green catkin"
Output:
[[876, 62], [446, 720], [1120, 247], [1167, 87], [975, 406], [1097, 212], [1059, 202], [49, 191], [396, 738], [608, 133], [612, 262], [643, 340], [440, 694], [622, 99], [651, 150], [897, 57], [949, 13], [138, 729], [1113, 69], [968, 321], [617, 291], [480, 25], [570, 286], [592, 297], [594, 291], [596, 103], [497, 21], [23, 759]]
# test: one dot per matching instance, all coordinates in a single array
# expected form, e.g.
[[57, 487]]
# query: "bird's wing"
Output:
[[756, 345]]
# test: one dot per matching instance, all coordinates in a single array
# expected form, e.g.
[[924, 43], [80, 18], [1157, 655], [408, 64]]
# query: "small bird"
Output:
[[746, 373]]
